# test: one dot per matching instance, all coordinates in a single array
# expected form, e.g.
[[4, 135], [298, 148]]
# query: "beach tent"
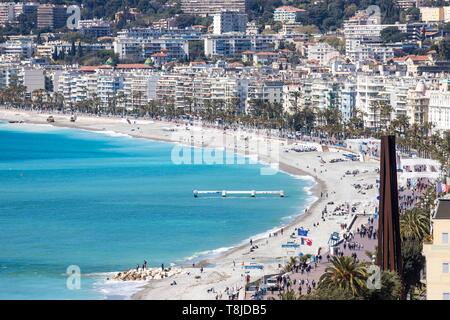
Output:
[[334, 238], [302, 232]]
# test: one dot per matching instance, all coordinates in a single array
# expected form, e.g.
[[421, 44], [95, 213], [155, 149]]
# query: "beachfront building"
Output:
[[418, 104], [369, 94], [211, 7], [439, 108], [32, 78], [287, 14], [347, 101], [437, 254], [230, 21], [139, 88], [8, 75], [198, 88], [263, 92]]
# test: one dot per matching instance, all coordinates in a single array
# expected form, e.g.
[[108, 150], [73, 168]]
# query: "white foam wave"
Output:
[[208, 253], [118, 290], [113, 133]]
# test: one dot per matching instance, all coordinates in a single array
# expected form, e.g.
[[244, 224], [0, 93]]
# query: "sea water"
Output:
[[104, 203]]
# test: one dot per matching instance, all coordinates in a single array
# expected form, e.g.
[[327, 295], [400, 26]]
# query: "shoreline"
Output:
[[222, 260]]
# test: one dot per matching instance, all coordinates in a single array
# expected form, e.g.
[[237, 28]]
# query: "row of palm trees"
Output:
[[325, 123]]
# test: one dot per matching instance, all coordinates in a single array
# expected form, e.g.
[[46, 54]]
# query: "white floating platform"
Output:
[[224, 193]]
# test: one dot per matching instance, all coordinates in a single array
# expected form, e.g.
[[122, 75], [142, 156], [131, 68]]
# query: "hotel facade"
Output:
[[437, 254]]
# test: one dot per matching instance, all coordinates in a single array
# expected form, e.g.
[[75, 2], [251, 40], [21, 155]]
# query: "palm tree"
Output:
[[289, 295], [345, 273], [415, 224], [385, 114]]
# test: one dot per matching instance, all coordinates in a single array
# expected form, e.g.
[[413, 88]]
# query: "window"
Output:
[[445, 237], [445, 267], [446, 296]]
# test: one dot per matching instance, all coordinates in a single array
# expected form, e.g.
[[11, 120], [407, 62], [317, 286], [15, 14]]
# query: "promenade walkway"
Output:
[[302, 282]]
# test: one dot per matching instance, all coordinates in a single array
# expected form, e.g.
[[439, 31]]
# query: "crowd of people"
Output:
[[414, 190]]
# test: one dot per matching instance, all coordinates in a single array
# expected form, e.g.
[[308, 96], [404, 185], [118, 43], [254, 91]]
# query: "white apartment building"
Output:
[[397, 89], [322, 52], [232, 44], [33, 79], [7, 13], [140, 88], [287, 14], [417, 108], [363, 38], [439, 109], [8, 75], [230, 21], [370, 90], [23, 48], [211, 7], [265, 91], [108, 84], [94, 28], [143, 47]]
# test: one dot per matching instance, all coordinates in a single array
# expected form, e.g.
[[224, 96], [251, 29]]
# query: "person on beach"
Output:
[[145, 264], [162, 266]]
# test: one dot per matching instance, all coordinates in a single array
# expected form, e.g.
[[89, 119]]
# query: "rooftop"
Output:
[[443, 209], [289, 9]]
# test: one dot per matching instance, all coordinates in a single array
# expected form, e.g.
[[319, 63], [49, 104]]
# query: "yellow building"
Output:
[[437, 254], [430, 14]]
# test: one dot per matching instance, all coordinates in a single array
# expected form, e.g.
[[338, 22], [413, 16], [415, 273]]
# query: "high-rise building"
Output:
[[51, 16], [7, 12], [230, 21], [211, 7]]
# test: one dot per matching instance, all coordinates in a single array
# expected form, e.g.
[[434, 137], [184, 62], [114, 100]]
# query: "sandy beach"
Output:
[[334, 187]]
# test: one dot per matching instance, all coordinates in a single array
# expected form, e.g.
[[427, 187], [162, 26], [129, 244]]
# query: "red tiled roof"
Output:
[[133, 66], [418, 58], [266, 53], [289, 9], [88, 68]]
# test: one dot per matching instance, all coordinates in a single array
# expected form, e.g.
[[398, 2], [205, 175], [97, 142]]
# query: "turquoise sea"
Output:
[[105, 203]]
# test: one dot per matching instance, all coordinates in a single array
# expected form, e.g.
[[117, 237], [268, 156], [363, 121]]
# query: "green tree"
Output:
[[345, 273], [413, 264]]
